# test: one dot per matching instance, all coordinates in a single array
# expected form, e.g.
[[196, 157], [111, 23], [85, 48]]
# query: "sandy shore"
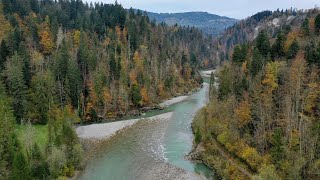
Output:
[[173, 101], [107, 130], [207, 73]]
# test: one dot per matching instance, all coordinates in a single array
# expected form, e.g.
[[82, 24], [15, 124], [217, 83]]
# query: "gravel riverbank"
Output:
[[98, 132]]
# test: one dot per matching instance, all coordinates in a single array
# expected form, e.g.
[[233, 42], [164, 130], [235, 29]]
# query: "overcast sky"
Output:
[[231, 8]]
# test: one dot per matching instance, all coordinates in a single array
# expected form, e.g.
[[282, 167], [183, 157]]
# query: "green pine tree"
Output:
[[293, 49], [20, 169], [263, 44], [305, 27], [317, 24], [16, 85], [135, 95], [7, 134]]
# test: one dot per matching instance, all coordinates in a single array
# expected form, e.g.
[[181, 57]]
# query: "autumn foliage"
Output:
[[265, 113]]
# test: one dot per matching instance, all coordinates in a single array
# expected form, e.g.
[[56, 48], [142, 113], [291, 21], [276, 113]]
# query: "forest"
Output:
[[264, 106], [67, 62]]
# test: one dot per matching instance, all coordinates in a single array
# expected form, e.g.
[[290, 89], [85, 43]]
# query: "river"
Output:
[[141, 149]]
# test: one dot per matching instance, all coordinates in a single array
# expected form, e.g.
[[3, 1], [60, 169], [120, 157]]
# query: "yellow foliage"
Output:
[[243, 113], [267, 173], [290, 38], [46, 41], [312, 97], [76, 37], [118, 32], [145, 96], [235, 173], [187, 71], [37, 60], [161, 90], [136, 57], [223, 137], [252, 157], [244, 67], [312, 23], [107, 98], [125, 33], [297, 72], [206, 63], [133, 77], [106, 41], [71, 113], [138, 62], [270, 78], [67, 113], [239, 146]]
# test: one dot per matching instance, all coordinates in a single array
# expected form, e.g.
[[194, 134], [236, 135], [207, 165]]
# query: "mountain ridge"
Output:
[[211, 24]]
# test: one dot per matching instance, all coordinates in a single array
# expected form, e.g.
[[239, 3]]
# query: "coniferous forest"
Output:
[[263, 121], [68, 62]]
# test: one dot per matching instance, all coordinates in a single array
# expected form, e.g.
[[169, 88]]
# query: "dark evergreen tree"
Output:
[[16, 85], [305, 27], [277, 149], [212, 87], [293, 49], [317, 24], [39, 167], [7, 6], [21, 170], [23, 52], [257, 62], [14, 41], [4, 52], [278, 47], [7, 134], [34, 4], [74, 83], [41, 96], [263, 44], [239, 54], [311, 54], [60, 69], [135, 95]]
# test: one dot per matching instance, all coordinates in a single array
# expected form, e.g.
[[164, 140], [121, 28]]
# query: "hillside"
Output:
[[248, 29], [68, 62], [209, 23], [264, 115]]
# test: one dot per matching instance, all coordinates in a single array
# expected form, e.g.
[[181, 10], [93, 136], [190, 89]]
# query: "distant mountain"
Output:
[[209, 23]]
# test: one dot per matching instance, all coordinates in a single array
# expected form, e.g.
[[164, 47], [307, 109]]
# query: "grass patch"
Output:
[[38, 133]]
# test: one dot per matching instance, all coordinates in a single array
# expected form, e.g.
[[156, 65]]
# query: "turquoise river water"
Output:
[[136, 151]]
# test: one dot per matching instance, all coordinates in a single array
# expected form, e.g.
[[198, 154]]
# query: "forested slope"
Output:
[[248, 29], [265, 111], [65, 62]]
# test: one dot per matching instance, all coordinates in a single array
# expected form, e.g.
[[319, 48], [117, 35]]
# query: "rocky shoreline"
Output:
[[165, 171]]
